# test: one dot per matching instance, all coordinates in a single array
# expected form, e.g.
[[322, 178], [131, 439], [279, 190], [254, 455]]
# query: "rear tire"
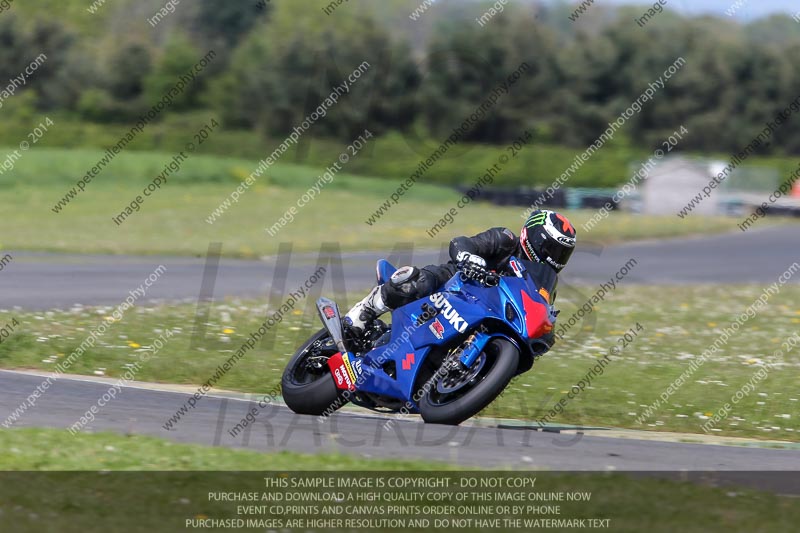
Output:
[[453, 408], [306, 392]]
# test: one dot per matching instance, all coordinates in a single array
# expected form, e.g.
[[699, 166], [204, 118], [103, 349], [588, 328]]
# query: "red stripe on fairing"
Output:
[[536, 321]]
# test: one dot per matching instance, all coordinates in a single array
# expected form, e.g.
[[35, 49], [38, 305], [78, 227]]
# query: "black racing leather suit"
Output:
[[495, 245]]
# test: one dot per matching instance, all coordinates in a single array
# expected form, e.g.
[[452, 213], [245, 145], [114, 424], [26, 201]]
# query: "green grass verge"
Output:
[[679, 324], [93, 497], [51, 449], [173, 219]]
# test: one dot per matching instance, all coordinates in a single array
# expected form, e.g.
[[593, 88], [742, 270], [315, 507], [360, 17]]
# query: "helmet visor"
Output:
[[548, 248], [556, 253]]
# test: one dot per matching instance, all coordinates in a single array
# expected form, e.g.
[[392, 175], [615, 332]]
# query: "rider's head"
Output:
[[548, 237]]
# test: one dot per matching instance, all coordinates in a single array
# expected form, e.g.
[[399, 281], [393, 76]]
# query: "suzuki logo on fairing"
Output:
[[452, 316]]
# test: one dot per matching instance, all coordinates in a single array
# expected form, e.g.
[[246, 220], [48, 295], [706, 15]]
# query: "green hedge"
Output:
[[392, 157]]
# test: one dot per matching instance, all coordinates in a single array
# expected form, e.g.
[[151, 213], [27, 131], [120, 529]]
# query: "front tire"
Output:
[[448, 401], [307, 385]]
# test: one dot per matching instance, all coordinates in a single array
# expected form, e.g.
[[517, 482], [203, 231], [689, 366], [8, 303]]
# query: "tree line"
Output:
[[277, 61]]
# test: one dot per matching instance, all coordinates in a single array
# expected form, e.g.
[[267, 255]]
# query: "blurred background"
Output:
[[108, 171], [431, 65]]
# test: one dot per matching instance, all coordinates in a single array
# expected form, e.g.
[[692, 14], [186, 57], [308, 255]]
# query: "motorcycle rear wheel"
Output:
[[446, 400], [308, 390]]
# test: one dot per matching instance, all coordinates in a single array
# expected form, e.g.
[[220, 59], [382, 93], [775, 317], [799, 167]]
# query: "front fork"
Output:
[[472, 347]]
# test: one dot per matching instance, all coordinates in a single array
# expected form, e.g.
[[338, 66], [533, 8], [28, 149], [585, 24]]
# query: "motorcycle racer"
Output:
[[547, 239]]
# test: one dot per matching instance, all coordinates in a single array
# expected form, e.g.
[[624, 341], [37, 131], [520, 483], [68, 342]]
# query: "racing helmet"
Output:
[[548, 237]]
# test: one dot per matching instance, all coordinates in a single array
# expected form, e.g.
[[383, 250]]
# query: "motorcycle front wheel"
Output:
[[454, 396]]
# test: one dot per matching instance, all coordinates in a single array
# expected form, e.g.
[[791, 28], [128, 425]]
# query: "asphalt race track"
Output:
[[145, 411], [44, 281]]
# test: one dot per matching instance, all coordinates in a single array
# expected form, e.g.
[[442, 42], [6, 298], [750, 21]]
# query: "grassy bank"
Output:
[[174, 219], [675, 330], [392, 157]]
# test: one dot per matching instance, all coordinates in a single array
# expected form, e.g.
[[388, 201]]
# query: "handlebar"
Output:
[[478, 273]]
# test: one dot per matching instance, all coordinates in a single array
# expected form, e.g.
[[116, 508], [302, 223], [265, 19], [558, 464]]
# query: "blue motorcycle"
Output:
[[446, 356]]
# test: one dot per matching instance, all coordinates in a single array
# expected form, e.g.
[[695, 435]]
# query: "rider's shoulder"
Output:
[[504, 232]]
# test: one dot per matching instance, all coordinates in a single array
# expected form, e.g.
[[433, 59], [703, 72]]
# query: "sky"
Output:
[[746, 10]]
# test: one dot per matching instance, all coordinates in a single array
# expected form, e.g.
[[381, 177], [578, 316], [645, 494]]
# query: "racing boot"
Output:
[[364, 312]]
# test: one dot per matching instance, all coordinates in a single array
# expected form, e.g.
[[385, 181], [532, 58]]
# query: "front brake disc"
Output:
[[457, 379]]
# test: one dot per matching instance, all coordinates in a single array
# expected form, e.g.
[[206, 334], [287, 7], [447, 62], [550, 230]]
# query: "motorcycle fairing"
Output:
[[515, 301]]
